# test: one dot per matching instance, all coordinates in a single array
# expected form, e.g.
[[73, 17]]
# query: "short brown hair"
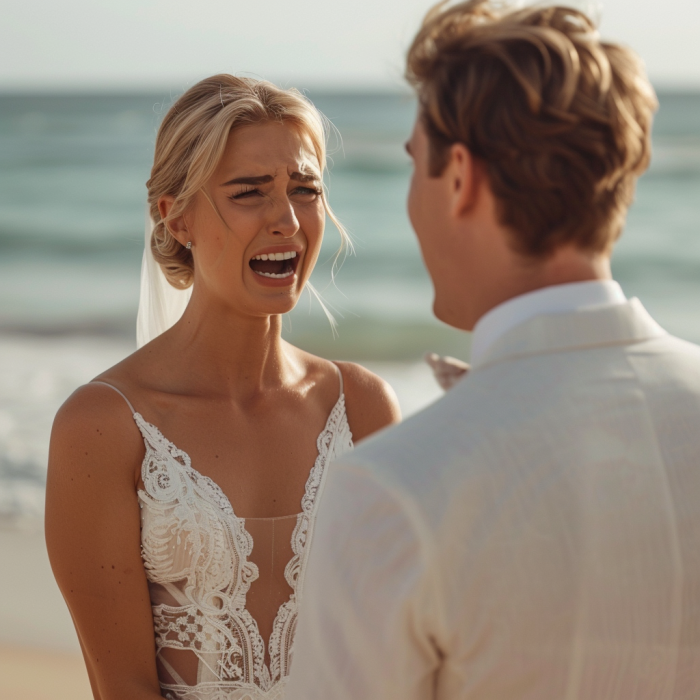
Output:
[[560, 120]]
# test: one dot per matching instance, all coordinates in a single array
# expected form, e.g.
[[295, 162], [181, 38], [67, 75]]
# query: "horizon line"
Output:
[[318, 88]]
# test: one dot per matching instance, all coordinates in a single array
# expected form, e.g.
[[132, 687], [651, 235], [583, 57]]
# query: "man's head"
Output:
[[530, 137]]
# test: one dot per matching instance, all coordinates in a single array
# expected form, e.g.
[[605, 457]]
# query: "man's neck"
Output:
[[565, 266]]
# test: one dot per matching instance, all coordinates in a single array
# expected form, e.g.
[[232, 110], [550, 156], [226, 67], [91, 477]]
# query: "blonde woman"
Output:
[[183, 482]]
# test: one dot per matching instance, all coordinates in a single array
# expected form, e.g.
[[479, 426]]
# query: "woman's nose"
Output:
[[287, 223]]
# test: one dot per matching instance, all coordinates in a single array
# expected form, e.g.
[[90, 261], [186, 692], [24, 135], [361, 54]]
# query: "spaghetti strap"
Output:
[[128, 403], [340, 376]]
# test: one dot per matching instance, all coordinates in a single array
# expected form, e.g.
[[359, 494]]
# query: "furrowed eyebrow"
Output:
[[250, 180], [264, 179], [304, 177]]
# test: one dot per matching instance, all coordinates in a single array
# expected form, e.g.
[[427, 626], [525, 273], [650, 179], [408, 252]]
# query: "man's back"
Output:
[[535, 534]]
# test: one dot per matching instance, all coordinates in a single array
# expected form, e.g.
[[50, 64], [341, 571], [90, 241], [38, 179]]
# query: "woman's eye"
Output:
[[245, 194], [307, 191]]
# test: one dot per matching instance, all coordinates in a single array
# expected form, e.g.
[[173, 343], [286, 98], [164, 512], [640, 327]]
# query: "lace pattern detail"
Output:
[[221, 691], [195, 552]]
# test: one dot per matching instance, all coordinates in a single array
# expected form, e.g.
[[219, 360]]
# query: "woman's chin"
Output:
[[269, 300]]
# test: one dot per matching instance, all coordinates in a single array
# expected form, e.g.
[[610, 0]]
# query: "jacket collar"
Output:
[[610, 325]]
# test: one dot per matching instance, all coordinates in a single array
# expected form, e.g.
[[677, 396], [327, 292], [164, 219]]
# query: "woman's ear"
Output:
[[177, 226]]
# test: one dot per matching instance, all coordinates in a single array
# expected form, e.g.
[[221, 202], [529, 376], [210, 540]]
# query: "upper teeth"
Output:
[[276, 256]]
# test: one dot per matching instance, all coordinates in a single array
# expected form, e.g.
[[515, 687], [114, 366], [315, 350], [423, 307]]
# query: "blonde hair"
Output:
[[192, 139], [560, 120]]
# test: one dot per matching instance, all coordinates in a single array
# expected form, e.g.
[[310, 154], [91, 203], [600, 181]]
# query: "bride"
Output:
[[183, 482]]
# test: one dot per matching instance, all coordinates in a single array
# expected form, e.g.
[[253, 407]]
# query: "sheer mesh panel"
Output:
[[272, 551]]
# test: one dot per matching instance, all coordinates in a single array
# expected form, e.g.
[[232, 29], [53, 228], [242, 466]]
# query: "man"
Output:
[[536, 533]]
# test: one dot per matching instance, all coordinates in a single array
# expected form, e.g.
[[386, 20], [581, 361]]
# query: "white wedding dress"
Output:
[[219, 583]]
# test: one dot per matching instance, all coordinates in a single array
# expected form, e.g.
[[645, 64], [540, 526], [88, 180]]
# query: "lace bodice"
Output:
[[197, 556]]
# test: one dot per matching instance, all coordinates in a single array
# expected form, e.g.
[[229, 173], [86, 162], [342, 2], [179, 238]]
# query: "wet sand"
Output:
[[31, 674], [39, 651]]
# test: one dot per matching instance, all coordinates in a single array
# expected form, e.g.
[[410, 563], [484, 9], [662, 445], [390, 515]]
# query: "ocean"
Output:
[[72, 203]]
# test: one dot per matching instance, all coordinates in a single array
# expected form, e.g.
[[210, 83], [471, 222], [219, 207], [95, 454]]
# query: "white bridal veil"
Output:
[[160, 304]]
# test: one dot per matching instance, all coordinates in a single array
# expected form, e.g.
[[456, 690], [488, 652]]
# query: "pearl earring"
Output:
[[189, 245]]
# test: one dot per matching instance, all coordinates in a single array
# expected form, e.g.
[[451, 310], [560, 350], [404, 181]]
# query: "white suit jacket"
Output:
[[534, 535]]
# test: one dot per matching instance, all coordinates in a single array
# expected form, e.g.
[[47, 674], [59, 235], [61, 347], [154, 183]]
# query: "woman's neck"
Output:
[[228, 352]]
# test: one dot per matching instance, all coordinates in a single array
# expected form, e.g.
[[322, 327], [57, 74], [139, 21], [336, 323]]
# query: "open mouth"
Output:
[[275, 265]]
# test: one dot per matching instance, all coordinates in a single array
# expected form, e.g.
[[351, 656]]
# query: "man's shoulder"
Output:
[[667, 366], [672, 349], [670, 341], [500, 405], [426, 443]]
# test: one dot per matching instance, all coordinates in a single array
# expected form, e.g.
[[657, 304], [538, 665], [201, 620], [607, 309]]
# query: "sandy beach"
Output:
[[39, 651], [29, 674]]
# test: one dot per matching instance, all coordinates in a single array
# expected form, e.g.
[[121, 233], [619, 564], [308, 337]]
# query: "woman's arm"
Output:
[[370, 402], [93, 540]]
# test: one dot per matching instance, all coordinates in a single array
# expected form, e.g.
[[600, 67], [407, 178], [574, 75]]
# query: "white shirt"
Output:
[[534, 535], [560, 298]]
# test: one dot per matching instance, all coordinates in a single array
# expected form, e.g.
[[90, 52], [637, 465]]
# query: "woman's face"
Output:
[[258, 254]]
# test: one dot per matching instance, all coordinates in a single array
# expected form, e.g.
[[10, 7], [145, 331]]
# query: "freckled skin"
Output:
[[244, 404]]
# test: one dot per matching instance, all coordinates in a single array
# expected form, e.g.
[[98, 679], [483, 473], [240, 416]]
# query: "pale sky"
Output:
[[69, 44]]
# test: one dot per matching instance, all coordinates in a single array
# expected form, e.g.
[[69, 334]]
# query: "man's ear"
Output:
[[463, 176], [176, 226]]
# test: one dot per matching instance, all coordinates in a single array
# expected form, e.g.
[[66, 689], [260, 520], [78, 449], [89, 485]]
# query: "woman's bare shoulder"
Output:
[[94, 401], [95, 422], [370, 402], [111, 405]]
